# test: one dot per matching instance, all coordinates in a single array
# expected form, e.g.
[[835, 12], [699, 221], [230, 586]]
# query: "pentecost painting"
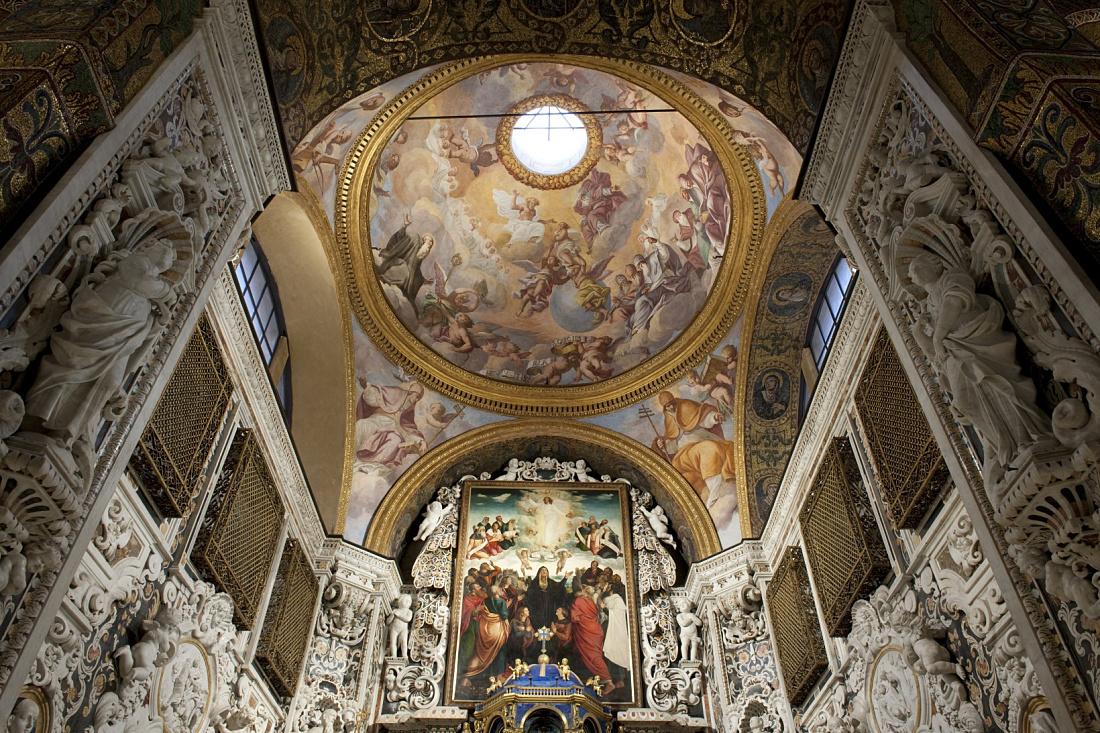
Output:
[[544, 569]]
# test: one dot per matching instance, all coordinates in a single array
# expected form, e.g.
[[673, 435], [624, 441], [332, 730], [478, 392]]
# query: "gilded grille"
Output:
[[798, 639], [907, 460], [843, 545], [175, 447], [240, 530], [289, 620]]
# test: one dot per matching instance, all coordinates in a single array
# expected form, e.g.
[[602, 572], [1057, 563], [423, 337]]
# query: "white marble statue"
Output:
[[689, 624], [659, 523], [433, 517], [104, 336], [960, 332], [24, 717], [397, 636]]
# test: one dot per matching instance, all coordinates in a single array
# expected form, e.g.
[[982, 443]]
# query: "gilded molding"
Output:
[[668, 486], [739, 275]]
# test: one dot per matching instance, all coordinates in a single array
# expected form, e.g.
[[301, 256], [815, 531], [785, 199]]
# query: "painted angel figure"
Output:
[[439, 306], [522, 215], [563, 77]]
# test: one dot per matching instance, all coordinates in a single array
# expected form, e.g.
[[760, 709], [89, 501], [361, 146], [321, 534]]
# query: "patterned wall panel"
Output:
[[802, 260], [240, 532], [174, 449], [798, 639], [778, 56], [843, 545], [289, 620], [68, 68], [1027, 84], [908, 463]]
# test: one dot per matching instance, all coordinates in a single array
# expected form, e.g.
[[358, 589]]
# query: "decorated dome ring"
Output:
[[522, 163]]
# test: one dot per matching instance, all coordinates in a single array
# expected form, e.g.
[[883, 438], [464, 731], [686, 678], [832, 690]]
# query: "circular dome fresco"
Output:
[[542, 238]]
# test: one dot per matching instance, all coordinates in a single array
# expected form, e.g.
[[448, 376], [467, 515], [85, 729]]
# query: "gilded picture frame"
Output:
[[542, 528]]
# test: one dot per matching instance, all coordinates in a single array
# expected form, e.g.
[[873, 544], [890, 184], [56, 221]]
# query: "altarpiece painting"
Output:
[[542, 568]]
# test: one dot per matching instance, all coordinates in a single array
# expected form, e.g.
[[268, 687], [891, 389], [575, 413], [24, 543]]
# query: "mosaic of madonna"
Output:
[[547, 287], [539, 558]]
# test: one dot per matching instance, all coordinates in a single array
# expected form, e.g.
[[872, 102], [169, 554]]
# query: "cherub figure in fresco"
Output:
[[629, 98], [456, 145], [522, 217], [759, 150], [456, 333], [567, 358], [623, 146], [563, 78], [717, 381], [517, 69], [439, 307], [318, 158], [535, 289], [595, 362]]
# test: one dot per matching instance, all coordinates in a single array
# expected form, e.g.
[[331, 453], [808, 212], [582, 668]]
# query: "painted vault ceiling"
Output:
[[535, 289]]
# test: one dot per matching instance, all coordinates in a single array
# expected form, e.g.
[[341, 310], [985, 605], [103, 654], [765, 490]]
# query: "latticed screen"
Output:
[[289, 618], [843, 545], [240, 531], [907, 460], [798, 639], [175, 447]]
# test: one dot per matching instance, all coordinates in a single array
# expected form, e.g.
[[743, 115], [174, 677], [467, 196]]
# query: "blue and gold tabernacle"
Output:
[[543, 697]]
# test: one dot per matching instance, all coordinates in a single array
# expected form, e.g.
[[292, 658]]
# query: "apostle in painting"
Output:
[[385, 424], [694, 443], [492, 631], [616, 644], [589, 636], [596, 202], [544, 594], [398, 263]]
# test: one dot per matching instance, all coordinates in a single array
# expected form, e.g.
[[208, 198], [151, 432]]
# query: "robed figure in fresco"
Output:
[[385, 423], [399, 261], [597, 200], [695, 444]]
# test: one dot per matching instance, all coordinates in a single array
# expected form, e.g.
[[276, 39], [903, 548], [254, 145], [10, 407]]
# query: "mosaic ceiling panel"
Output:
[[776, 55]]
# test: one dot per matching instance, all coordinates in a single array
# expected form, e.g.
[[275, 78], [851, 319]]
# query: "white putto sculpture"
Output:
[[433, 517], [397, 636], [689, 624], [658, 521], [104, 336]]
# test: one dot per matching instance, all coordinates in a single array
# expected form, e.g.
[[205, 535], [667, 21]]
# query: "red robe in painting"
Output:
[[588, 636], [597, 200], [470, 601]]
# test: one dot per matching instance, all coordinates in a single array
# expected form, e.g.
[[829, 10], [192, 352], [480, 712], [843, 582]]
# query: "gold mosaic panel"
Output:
[[910, 467], [175, 447], [844, 547], [798, 638], [289, 619], [240, 531]]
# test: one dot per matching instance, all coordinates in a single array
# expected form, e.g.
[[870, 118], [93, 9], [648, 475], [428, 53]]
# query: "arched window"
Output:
[[827, 312], [261, 302]]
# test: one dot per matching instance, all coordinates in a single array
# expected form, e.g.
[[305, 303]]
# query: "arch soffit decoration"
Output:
[[488, 449], [740, 276]]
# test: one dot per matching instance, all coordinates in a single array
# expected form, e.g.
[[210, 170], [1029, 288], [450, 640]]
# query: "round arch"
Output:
[[488, 448]]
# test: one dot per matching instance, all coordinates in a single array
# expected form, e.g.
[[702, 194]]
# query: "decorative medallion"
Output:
[[569, 293], [895, 693], [183, 691]]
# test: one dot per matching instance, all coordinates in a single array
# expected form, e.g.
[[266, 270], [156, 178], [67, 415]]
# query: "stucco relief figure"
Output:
[[398, 263], [385, 426], [960, 332], [156, 648], [658, 522], [104, 336], [24, 717]]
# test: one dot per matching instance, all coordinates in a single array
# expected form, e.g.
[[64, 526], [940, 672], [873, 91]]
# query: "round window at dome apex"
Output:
[[549, 140]]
